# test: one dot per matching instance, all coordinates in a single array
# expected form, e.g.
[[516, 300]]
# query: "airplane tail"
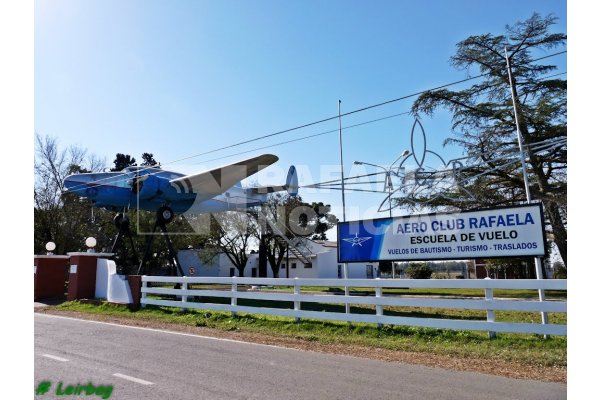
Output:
[[291, 185]]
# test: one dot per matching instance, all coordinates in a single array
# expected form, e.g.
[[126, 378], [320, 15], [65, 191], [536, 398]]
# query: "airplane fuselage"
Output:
[[150, 188]]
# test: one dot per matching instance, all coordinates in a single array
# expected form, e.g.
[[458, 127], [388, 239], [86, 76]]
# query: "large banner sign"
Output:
[[500, 232]]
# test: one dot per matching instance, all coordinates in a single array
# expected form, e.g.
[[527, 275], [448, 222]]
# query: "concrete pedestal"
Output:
[[82, 275], [49, 275]]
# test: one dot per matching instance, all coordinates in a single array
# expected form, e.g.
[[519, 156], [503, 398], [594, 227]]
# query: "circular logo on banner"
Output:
[[192, 271]]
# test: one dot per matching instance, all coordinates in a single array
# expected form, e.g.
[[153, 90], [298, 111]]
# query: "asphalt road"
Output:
[[150, 364]]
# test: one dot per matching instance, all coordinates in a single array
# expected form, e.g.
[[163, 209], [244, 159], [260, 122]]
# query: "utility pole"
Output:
[[513, 92], [346, 291]]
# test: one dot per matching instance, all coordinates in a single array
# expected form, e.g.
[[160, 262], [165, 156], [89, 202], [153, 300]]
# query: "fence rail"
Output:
[[297, 298]]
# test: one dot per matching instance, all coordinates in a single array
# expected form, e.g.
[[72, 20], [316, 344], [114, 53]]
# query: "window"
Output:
[[339, 271], [293, 265], [231, 272], [309, 265], [282, 265]]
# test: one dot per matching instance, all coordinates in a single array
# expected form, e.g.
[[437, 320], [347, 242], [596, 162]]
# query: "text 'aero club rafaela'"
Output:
[[499, 232]]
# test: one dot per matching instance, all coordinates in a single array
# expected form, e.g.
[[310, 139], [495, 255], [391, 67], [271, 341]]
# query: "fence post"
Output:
[[296, 293], [233, 294], [491, 314], [184, 297], [378, 295], [144, 287]]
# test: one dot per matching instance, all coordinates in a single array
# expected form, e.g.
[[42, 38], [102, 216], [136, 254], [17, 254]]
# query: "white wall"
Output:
[[324, 265], [225, 266], [189, 258]]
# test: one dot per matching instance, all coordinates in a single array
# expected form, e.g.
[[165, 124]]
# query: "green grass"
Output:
[[524, 349]]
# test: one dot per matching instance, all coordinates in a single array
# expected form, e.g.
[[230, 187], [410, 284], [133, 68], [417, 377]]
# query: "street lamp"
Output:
[[388, 180], [388, 184], [388, 174], [404, 157], [390, 187]]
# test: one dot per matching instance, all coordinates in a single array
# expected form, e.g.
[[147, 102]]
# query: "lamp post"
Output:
[[50, 247], [90, 242], [388, 184], [390, 187], [346, 289], [388, 180]]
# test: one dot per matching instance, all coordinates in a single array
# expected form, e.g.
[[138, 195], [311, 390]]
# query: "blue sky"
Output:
[[182, 78]]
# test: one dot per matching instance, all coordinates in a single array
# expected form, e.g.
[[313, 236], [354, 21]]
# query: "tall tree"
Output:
[[294, 219], [123, 161], [58, 216], [231, 233], [149, 160], [484, 121]]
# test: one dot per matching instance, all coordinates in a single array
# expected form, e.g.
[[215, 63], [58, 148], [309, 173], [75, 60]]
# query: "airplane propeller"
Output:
[[138, 182]]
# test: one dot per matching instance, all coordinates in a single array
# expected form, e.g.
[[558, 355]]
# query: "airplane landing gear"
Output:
[[121, 221], [164, 215], [128, 265]]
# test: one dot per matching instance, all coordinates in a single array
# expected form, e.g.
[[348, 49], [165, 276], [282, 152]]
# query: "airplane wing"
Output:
[[214, 182]]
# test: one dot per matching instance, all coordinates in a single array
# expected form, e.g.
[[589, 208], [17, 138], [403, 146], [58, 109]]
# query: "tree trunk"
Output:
[[558, 229], [262, 258]]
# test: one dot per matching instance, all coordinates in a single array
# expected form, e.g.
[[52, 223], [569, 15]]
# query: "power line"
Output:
[[112, 179], [545, 145], [319, 122], [336, 130], [310, 136]]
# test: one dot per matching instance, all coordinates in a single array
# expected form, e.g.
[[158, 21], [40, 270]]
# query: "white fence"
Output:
[[488, 302]]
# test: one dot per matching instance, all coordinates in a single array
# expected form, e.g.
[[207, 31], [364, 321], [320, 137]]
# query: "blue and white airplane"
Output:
[[168, 192]]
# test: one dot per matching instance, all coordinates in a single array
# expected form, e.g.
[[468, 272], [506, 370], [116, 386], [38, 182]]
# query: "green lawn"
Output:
[[524, 349]]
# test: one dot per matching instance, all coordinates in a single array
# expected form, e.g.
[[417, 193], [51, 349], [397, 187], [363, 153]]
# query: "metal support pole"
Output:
[[539, 274], [346, 290], [389, 183]]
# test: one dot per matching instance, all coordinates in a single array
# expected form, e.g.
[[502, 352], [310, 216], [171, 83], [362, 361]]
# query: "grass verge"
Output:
[[528, 350]]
